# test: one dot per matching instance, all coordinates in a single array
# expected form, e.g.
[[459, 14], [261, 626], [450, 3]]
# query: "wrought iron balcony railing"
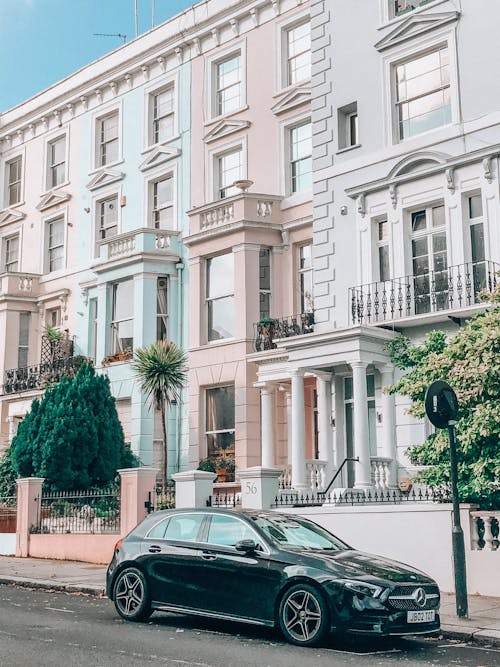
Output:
[[270, 329], [454, 288], [39, 376]]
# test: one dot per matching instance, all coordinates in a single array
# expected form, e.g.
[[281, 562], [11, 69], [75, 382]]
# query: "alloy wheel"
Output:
[[130, 595], [303, 615]]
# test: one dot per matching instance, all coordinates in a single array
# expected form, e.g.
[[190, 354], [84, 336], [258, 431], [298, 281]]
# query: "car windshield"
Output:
[[298, 534]]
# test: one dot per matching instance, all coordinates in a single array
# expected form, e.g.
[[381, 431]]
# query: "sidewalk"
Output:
[[482, 626]]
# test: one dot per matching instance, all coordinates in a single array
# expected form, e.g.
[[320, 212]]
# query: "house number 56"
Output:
[[251, 488]]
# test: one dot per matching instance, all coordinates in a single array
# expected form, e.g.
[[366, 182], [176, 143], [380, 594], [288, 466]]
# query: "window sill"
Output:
[[347, 149], [55, 188], [217, 119], [291, 87], [296, 199]]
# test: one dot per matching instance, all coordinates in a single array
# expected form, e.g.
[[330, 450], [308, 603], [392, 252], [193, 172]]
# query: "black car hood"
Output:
[[350, 564]]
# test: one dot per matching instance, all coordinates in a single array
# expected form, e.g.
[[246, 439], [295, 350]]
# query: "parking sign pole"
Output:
[[457, 534]]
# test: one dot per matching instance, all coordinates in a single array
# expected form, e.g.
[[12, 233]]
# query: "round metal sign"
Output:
[[441, 404]]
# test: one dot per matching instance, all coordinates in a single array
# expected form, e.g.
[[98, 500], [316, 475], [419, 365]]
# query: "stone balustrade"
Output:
[[484, 531], [137, 242], [380, 467], [316, 474], [19, 284], [243, 207]]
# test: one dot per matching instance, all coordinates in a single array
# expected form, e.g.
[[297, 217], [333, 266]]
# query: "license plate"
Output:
[[421, 616]]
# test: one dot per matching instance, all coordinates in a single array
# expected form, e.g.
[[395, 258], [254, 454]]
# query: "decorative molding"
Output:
[[393, 194], [225, 127], [418, 162], [235, 27], [159, 155], [180, 55], [361, 205], [488, 173], [276, 7], [9, 215], [293, 98], [415, 25], [114, 88], [450, 179], [197, 46], [145, 72], [162, 62], [255, 17], [105, 177], [53, 199], [216, 36], [129, 80]]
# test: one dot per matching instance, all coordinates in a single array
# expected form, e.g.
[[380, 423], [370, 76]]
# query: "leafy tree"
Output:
[[7, 475], [161, 370], [72, 436], [470, 362]]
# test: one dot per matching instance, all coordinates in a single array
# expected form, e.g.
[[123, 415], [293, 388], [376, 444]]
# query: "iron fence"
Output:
[[93, 511], [270, 329], [358, 498], [226, 499], [8, 514]]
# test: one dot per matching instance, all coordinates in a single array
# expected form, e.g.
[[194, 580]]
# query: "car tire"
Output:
[[131, 595], [303, 615]]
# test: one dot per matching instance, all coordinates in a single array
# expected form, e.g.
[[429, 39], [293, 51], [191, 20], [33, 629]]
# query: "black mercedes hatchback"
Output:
[[266, 568]]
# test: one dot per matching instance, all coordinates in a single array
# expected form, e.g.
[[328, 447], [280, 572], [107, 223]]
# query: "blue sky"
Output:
[[43, 41]]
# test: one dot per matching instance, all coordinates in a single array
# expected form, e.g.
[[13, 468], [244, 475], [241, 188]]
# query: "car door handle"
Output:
[[206, 555], [154, 549]]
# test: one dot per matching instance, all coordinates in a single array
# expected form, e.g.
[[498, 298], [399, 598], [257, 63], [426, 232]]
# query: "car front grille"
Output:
[[403, 597]]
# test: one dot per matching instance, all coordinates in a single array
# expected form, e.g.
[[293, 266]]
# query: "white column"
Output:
[[325, 435], [288, 397], [361, 442], [298, 432], [389, 423], [267, 427]]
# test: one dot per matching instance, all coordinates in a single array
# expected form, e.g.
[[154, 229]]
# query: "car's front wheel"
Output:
[[303, 615], [131, 595]]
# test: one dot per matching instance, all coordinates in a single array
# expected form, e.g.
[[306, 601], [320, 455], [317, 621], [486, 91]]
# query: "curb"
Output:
[[97, 591], [474, 635]]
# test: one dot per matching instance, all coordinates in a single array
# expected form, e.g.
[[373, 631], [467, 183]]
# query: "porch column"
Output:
[[298, 432], [389, 424], [267, 428], [325, 435], [288, 397], [360, 409]]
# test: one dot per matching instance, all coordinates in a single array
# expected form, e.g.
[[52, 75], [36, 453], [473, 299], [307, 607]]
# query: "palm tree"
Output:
[[161, 370]]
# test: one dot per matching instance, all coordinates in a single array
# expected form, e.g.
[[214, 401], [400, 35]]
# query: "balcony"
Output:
[[453, 289], [19, 284], [270, 329], [162, 242], [39, 376], [243, 207]]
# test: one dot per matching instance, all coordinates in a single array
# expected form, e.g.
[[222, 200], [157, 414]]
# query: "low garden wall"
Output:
[[88, 548]]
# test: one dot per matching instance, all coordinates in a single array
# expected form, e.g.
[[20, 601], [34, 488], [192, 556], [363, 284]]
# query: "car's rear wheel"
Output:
[[303, 615], [131, 595]]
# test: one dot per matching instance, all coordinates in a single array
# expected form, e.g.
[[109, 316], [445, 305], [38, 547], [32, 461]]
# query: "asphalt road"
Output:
[[61, 630]]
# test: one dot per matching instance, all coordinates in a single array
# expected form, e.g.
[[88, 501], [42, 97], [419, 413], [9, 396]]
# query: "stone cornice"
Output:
[[393, 179], [188, 35], [415, 25]]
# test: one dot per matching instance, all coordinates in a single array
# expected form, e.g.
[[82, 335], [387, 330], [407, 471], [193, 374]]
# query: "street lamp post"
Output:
[[441, 406]]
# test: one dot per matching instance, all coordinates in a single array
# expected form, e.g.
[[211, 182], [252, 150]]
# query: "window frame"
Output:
[[114, 346], [440, 37], [208, 300], [60, 216], [102, 197], [152, 183], [216, 432], [163, 319], [211, 64], [8, 184], [101, 115], [300, 272], [64, 135], [149, 95], [287, 127], [20, 346], [380, 243], [214, 156], [4, 240], [282, 81]]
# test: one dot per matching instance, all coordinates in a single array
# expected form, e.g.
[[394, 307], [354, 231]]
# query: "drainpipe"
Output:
[[179, 266]]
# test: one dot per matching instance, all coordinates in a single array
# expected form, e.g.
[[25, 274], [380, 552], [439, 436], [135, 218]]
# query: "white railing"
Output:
[[484, 531], [122, 246], [217, 216], [264, 208], [380, 467], [285, 480], [316, 474], [163, 241]]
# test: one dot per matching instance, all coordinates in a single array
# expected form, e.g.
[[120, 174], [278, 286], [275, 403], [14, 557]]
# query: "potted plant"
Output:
[[207, 465], [221, 468]]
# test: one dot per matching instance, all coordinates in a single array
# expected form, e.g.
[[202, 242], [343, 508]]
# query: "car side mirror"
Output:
[[247, 546]]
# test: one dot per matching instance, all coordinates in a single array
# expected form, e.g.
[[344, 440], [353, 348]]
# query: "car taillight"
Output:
[[118, 544]]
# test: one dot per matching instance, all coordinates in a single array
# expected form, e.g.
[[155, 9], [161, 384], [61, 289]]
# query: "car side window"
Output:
[[226, 531], [184, 527], [158, 531]]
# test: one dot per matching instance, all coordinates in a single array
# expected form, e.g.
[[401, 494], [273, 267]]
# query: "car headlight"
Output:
[[363, 588]]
